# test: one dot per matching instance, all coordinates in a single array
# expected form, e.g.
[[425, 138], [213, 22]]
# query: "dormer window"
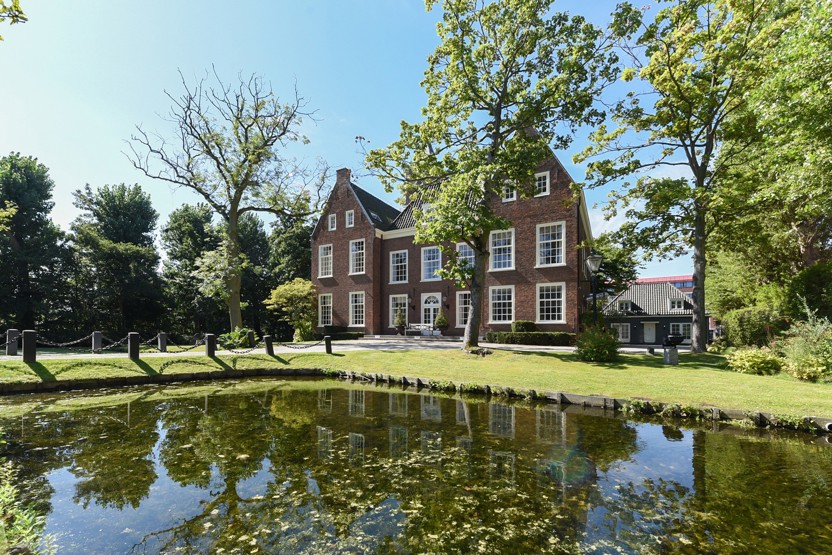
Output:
[[350, 218], [333, 219], [677, 304], [509, 193], [624, 306]]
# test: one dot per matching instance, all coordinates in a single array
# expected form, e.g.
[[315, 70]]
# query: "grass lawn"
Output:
[[698, 380]]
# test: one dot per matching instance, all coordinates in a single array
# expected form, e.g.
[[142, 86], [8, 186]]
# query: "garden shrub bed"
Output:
[[542, 338]]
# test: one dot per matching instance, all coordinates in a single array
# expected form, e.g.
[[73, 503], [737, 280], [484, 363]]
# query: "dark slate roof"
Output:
[[381, 213], [407, 220], [649, 299]]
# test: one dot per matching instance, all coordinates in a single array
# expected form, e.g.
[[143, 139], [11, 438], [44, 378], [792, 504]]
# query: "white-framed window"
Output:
[[333, 220], [550, 244], [397, 302], [465, 254], [509, 193], [624, 306], [501, 304], [350, 218], [541, 184], [398, 267], [677, 304], [623, 332], [324, 261], [357, 256], [325, 309], [357, 308], [550, 297], [681, 328], [431, 263], [463, 306], [502, 250]]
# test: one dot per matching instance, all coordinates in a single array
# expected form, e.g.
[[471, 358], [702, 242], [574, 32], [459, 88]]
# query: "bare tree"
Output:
[[228, 146]]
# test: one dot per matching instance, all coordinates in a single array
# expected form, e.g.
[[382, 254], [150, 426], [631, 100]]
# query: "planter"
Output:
[[399, 330]]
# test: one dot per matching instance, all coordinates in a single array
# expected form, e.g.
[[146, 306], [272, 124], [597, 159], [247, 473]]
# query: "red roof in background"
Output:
[[664, 279]]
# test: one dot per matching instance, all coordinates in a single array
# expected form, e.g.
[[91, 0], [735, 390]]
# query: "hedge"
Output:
[[341, 336], [753, 327], [544, 338]]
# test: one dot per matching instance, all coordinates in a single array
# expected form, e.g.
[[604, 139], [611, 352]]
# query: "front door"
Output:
[[649, 332], [430, 308]]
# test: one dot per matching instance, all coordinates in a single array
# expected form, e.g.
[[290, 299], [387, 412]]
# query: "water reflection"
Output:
[[277, 467]]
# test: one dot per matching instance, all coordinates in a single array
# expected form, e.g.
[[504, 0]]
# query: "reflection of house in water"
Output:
[[431, 443], [462, 417], [550, 425], [325, 401], [398, 441], [501, 466], [431, 409], [324, 442], [357, 442], [501, 420], [357, 402], [398, 404]]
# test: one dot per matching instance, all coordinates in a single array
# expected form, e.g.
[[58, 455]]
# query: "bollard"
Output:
[[328, 344], [133, 340], [251, 340], [210, 344], [97, 341], [30, 341], [671, 355], [12, 337], [163, 342], [267, 339]]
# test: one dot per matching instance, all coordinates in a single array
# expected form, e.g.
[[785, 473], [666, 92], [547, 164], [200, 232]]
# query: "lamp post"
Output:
[[593, 264]]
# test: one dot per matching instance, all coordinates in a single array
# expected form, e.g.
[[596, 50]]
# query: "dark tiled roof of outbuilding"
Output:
[[382, 214], [650, 299]]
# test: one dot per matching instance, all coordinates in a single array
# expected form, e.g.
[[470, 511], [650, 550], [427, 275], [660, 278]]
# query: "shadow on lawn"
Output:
[[41, 371], [705, 361]]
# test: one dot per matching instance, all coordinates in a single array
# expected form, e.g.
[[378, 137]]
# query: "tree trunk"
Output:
[[699, 325], [472, 329], [235, 314]]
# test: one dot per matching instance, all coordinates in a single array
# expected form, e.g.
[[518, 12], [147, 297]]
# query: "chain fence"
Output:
[[291, 346], [198, 343], [243, 351]]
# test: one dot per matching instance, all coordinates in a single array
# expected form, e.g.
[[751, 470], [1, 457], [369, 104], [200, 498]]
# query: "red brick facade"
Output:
[[564, 279]]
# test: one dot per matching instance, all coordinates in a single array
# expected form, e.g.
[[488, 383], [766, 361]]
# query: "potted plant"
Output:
[[399, 321], [441, 322]]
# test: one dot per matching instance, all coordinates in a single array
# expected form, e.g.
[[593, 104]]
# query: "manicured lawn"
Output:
[[698, 380]]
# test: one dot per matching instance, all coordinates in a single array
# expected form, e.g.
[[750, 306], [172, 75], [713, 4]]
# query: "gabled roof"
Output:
[[380, 213], [650, 299]]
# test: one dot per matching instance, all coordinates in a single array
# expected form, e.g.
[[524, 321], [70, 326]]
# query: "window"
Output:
[[550, 302], [465, 254], [324, 261], [550, 242], [682, 329], [431, 263], [398, 267], [463, 306], [677, 304], [623, 332], [357, 308], [502, 250], [350, 218], [397, 302], [332, 221], [509, 193], [502, 304], [357, 256], [325, 310], [541, 184], [624, 306]]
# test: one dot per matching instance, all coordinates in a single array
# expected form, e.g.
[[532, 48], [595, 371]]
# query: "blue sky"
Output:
[[79, 76]]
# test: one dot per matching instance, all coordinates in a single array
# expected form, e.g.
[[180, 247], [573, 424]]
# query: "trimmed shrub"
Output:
[[752, 327], [597, 345], [342, 336], [523, 326], [760, 361], [542, 338]]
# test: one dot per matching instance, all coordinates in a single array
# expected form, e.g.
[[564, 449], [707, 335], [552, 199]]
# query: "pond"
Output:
[[320, 466]]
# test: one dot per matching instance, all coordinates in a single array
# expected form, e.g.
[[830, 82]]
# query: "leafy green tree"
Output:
[[508, 81], [114, 238], [228, 142], [188, 234], [620, 266], [12, 11], [696, 63], [256, 279], [291, 249], [297, 304], [32, 247]]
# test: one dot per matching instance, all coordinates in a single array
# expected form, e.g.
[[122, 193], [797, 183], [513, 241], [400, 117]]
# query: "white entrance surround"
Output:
[[430, 307], [649, 332]]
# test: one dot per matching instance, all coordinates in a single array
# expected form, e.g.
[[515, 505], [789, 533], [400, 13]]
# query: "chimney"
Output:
[[342, 176]]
